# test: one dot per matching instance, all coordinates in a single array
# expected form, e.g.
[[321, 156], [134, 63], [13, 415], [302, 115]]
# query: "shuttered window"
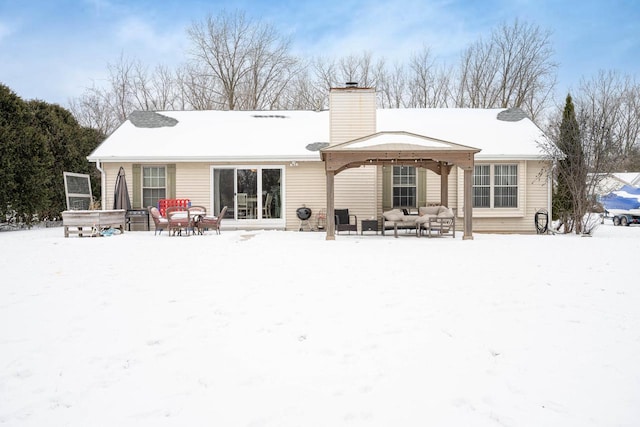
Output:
[[154, 185], [404, 186]]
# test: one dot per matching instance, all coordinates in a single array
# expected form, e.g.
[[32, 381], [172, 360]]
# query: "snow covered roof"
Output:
[[480, 128], [296, 135], [396, 140], [217, 136]]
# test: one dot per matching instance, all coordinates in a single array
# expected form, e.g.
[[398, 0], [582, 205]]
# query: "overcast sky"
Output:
[[53, 49]]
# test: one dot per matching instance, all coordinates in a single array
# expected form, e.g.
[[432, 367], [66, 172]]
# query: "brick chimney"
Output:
[[352, 112]]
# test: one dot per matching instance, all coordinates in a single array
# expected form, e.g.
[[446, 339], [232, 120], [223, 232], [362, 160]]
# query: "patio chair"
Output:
[[195, 213], [179, 219], [243, 205], [344, 222], [266, 208], [160, 222], [211, 222]]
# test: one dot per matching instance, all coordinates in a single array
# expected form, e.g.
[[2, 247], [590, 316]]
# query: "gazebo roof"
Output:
[[398, 147]]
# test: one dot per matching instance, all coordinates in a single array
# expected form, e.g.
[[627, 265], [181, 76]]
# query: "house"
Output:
[[264, 165]]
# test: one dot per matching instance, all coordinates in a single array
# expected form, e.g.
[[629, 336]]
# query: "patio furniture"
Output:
[[369, 225], [436, 221], [179, 219], [344, 222], [92, 222], [396, 219], [160, 222], [195, 213], [211, 222], [243, 205], [266, 208]]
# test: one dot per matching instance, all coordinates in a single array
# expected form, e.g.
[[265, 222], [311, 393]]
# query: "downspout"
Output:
[[103, 179], [549, 197]]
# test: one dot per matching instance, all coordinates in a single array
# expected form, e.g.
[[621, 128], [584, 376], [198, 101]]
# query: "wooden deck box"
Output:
[[89, 223]]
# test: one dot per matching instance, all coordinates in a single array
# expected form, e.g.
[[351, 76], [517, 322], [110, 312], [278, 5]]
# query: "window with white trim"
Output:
[[154, 185], [404, 186], [495, 186], [482, 186], [505, 186]]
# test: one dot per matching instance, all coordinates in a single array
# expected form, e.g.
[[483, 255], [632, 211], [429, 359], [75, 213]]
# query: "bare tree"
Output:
[[198, 90], [429, 85], [477, 74], [607, 127], [392, 87], [249, 59], [610, 104], [514, 68], [303, 93], [93, 110]]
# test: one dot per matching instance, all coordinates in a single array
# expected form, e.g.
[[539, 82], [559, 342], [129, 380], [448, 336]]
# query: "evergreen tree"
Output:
[[38, 142], [69, 144], [25, 161], [569, 199]]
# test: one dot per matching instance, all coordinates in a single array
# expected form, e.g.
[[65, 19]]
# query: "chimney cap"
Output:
[[351, 84]]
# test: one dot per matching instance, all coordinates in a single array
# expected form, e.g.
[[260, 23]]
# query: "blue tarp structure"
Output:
[[625, 199]]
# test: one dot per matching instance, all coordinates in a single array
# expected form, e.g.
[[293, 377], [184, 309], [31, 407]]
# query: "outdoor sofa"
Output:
[[434, 220]]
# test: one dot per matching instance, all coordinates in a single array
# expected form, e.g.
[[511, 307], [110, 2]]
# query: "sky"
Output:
[[53, 49], [364, 331]]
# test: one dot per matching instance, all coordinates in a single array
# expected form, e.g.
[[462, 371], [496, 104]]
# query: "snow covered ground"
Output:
[[282, 329]]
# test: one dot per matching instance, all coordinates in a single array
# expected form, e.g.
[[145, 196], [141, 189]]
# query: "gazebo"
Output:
[[401, 149]]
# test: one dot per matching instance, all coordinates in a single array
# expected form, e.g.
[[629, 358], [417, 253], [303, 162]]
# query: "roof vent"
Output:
[[512, 115], [317, 146], [351, 84], [268, 116], [151, 119]]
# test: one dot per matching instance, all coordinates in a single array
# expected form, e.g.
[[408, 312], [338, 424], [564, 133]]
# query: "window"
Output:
[[504, 191], [482, 186], [249, 192], [404, 186], [154, 185], [505, 180]]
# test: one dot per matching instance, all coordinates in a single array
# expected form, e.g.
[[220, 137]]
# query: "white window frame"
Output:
[[142, 184], [482, 182], [404, 181], [498, 212], [506, 183], [262, 222]]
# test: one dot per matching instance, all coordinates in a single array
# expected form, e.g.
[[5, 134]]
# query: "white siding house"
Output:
[[212, 157]]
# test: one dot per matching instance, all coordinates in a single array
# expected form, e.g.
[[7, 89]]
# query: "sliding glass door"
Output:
[[250, 193]]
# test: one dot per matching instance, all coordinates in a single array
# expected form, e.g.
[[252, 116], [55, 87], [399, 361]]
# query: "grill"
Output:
[[304, 214]]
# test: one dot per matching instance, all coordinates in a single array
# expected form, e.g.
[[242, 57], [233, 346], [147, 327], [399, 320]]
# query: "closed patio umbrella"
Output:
[[121, 193]]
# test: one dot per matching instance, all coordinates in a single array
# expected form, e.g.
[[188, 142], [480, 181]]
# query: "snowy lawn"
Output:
[[282, 329]]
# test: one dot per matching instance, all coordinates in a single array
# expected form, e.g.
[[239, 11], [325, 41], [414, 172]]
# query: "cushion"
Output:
[[423, 219], [429, 210], [393, 215], [445, 212]]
